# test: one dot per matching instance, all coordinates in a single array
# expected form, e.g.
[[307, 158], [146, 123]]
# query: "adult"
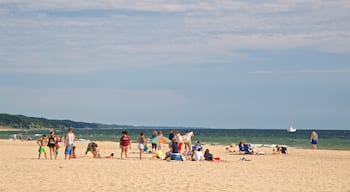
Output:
[[154, 144], [314, 139], [52, 142], [69, 143], [178, 140], [171, 134], [197, 155], [160, 144], [124, 144], [197, 146], [174, 148], [188, 140]]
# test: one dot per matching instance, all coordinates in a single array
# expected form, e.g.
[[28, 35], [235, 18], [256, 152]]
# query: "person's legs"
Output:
[[126, 152], [68, 153], [52, 152], [141, 151]]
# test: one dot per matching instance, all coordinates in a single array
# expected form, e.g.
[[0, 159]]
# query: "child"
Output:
[[93, 149], [110, 156], [42, 143], [73, 153], [141, 146], [124, 144], [57, 146]]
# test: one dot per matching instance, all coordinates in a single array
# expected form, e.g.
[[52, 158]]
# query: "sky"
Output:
[[214, 64]]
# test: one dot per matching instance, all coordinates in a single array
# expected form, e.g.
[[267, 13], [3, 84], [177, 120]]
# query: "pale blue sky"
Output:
[[215, 64]]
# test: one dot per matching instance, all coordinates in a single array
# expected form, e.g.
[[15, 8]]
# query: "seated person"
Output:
[[231, 148], [207, 155], [94, 149], [88, 148], [241, 146], [197, 155], [197, 146], [174, 148], [277, 149], [284, 150], [248, 149], [159, 154]]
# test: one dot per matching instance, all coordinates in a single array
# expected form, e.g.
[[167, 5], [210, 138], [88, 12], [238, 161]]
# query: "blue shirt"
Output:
[[175, 148], [196, 147]]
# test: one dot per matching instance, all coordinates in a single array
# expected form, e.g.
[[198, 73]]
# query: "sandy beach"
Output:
[[300, 170]]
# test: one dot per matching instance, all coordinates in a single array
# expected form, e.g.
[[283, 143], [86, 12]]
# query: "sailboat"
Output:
[[291, 129]]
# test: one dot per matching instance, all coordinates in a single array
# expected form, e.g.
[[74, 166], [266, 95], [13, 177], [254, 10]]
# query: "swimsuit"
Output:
[[52, 142], [69, 149], [42, 149]]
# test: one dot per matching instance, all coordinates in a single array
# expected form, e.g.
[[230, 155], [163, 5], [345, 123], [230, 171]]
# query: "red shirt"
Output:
[[125, 140]]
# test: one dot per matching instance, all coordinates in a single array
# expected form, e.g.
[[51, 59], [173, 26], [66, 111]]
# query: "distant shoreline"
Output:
[[5, 128]]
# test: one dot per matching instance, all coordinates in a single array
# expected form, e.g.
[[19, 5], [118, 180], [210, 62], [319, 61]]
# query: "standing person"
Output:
[[314, 139], [171, 134], [160, 144], [52, 142], [57, 151], [188, 141], [124, 144], [178, 139], [141, 143], [154, 145], [42, 143], [69, 143]]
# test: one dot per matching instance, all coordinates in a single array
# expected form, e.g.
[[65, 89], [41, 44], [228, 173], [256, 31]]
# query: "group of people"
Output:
[[52, 141], [246, 148], [175, 147]]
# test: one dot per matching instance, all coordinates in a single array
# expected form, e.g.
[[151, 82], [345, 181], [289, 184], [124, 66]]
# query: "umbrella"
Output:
[[160, 139]]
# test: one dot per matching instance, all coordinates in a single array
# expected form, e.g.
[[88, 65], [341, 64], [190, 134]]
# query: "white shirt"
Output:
[[197, 155], [70, 138]]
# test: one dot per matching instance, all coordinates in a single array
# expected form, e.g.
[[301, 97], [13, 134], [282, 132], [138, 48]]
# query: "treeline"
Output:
[[21, 121]]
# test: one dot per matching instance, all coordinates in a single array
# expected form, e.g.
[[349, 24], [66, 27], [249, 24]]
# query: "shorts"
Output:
[[180, 146], [42, 149], [69, 150], [141, 146], [313, 142]]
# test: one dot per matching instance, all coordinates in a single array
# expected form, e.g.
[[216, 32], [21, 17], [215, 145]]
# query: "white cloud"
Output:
[[42, 37]]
